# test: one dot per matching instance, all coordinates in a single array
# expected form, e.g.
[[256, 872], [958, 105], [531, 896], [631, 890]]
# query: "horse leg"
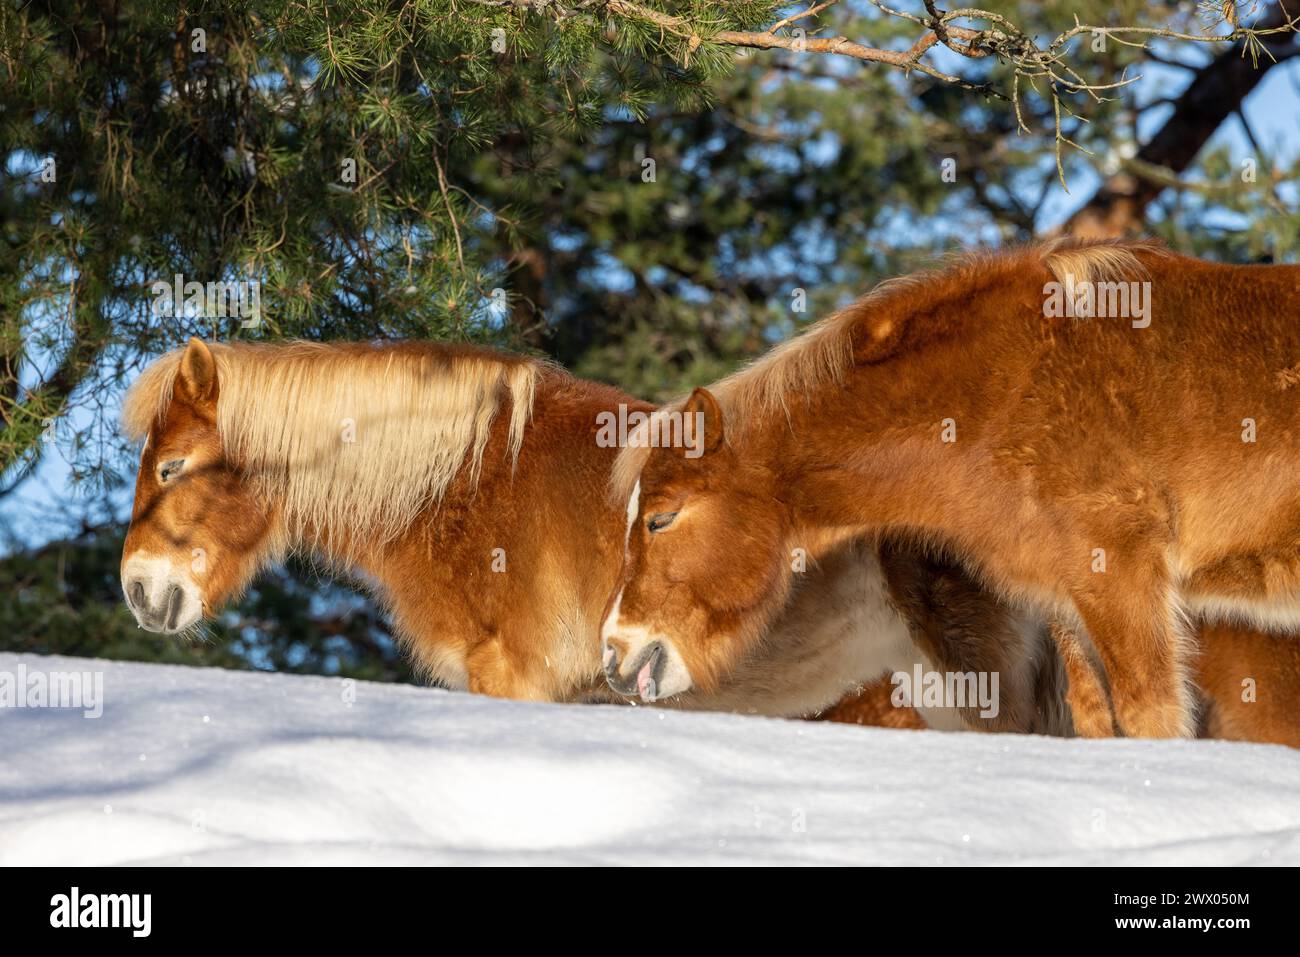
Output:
[[1133, 618], [873, 705], [1087, 699], [1251, 683]]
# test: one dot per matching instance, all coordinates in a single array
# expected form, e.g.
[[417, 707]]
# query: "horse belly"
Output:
[[1239, 550], [1275, 615]]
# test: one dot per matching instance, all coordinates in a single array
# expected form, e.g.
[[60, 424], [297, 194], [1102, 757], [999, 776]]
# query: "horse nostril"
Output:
[[135, 594], [610, 661], [173, 606]]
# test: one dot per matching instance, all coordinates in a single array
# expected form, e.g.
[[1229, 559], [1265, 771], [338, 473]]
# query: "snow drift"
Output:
[[213, 767]]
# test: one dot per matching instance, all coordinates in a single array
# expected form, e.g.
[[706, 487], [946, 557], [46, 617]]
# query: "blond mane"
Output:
[[352, 437], [824, 353]]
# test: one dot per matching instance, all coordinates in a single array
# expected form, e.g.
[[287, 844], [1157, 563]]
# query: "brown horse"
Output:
[[1106, 432], [467, 488]]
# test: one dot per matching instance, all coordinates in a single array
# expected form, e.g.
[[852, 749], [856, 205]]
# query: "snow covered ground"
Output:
[[200, 766]]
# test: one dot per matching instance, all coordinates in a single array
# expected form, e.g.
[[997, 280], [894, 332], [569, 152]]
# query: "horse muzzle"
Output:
[[653, 671], [161, 599]]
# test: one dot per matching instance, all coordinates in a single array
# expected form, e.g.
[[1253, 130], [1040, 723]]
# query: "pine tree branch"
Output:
[[1118, 208], [25, 420], [996, 36]]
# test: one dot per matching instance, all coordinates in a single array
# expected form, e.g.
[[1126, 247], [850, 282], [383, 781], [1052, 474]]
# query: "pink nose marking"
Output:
[[645, 684]]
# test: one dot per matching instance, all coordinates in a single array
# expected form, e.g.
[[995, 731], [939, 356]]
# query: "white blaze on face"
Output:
[[674, 678], [633, 506], [610, 625]]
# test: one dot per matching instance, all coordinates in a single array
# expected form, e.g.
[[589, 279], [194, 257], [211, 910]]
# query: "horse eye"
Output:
[[659, 521], [170, 469]]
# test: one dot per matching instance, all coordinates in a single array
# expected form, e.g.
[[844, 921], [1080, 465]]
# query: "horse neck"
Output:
[[868, 452]]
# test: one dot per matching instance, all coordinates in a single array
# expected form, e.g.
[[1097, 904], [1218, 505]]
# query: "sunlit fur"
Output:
[[1072, 435], [352, 436], [824, 352], [497, 561], [1250, 683]]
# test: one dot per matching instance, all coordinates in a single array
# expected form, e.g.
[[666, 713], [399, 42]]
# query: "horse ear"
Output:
[[703, 408], [198, 373]]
